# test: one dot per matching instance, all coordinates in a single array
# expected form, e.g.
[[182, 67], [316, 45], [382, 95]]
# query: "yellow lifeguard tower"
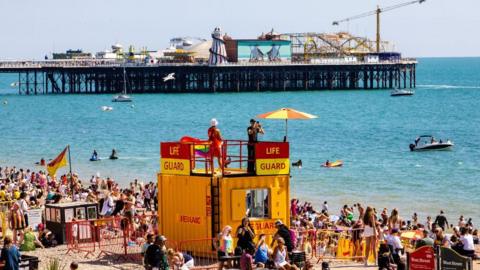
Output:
[[196, 200]]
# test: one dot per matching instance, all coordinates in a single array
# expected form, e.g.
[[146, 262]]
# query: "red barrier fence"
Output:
[[119, 237], [80, 237], [123, 238]]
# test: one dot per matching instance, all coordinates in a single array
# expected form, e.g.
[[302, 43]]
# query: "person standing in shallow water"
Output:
[[215, 138]]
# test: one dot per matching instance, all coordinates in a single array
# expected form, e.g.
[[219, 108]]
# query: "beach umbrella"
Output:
[[286, 113]]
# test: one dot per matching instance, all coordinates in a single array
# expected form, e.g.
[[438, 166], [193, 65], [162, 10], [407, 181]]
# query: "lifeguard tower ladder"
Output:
[[196, 199]]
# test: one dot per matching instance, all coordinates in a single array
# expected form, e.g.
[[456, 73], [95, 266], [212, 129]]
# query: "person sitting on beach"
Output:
[[280, 256], [466, 238], [441, 240], [30, 241], [155, 256], [396, 245], [224, 246], [246, 260], [180, 260], [425, 241], [46, 237], [113, 155]]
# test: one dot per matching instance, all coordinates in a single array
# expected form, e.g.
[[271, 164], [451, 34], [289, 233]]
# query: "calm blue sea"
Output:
[[369, 130]]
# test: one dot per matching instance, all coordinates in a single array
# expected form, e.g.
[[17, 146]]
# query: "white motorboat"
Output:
[[428, 142], [123, 97], [402, 92]]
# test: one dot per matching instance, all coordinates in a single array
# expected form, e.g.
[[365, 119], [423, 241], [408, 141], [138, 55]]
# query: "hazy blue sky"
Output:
[[31, 28]]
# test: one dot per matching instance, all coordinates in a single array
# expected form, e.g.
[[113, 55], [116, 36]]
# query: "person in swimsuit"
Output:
[[370, 234], [215, 138]]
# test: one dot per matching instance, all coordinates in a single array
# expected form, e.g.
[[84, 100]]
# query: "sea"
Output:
[[368, 130]]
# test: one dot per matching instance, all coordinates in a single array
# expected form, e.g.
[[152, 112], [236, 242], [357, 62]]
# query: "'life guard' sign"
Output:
[[175, 166], [174, 150], [272, 158], [175, 158], [271, 150]]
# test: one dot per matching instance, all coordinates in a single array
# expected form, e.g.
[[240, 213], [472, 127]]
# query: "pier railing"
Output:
[[88, 63]]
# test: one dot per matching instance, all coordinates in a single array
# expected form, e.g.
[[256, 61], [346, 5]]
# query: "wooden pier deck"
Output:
[[106, 77]]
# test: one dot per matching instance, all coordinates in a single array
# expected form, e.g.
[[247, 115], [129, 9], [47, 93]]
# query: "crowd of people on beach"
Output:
[[380, 231], [22, 190]]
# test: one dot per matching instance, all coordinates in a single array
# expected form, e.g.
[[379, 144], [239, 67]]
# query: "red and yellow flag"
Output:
[[58, 162]]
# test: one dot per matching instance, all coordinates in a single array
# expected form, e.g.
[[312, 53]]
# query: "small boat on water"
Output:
[[337, 163], [428, 142], [401, 92], [107, 108], [123, 97], [14, 84]]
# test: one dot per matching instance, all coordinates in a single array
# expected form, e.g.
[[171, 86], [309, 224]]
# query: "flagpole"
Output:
[[70, 165]]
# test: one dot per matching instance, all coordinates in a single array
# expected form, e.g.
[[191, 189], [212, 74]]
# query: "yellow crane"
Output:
[[377, 12]]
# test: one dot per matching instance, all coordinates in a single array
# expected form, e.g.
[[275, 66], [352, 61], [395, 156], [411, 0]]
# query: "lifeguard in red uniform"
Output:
[[215, 138]]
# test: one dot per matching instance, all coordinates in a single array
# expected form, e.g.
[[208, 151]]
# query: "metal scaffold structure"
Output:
[[306, 46]]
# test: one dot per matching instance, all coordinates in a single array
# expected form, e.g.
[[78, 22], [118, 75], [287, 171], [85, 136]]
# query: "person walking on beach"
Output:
[[253, 130], [216, 141], [370, 234], [441, 220]]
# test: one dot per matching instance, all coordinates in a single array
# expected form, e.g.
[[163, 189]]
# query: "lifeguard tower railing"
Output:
[[196, 157]]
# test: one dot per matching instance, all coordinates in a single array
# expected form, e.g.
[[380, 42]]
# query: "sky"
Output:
[[32, 28]]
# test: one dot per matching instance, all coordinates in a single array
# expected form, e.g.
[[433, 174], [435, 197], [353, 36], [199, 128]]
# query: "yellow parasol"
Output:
[[286, 113]]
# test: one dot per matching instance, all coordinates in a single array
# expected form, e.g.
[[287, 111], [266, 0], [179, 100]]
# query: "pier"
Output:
[[92, 76]]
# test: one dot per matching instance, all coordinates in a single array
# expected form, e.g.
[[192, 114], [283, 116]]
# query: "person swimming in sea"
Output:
[[113, 155]]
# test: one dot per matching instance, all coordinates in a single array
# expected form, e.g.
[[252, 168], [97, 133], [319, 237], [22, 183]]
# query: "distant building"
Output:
[[258, 50], [115, 53], [72, 54]]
